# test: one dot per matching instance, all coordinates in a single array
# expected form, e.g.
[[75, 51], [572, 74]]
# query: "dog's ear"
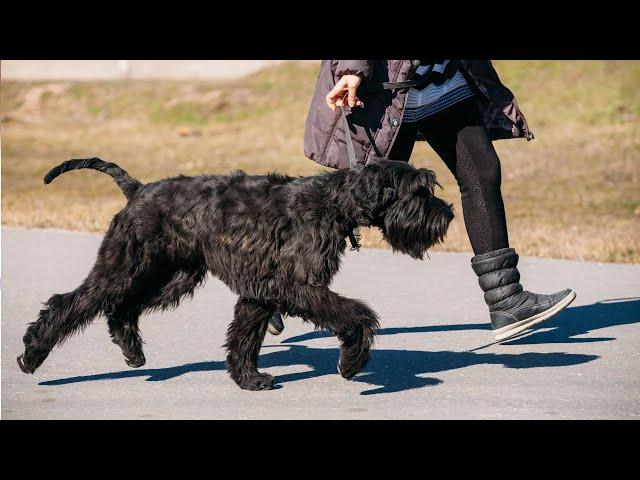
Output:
[[426, 180], [421, 182]]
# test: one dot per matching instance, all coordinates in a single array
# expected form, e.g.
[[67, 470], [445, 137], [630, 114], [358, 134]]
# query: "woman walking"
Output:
[[459, 108]]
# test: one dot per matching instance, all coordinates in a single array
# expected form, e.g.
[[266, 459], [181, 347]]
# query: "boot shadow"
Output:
[[575, 321]]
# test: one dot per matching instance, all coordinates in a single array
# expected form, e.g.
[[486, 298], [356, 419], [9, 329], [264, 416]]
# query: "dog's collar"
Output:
[[351, 230], [354, 238]]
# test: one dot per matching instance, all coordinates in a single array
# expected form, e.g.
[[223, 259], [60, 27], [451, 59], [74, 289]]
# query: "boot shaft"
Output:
[[498, 275]]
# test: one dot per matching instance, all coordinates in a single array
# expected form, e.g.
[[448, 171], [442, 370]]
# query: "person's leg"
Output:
[[458, 135], [404, 142]]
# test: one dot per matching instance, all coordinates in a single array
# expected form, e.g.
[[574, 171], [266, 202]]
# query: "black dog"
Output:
[[275, 240]]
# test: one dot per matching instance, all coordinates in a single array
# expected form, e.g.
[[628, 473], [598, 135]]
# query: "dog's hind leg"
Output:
[[62, 315], [160, 290], [123, 328], [351, 320], [148, 292], [244, 339], [168, 293]]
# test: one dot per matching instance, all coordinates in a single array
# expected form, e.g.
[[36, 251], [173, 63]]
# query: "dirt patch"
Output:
[[32, 99]]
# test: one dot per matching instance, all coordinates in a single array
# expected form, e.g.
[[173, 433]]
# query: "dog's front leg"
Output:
[[351, 320], [244, 339]]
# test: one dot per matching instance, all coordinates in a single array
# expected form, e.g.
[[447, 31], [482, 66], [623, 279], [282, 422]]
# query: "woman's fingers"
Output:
[[344, 100], [344, 91], [353, 82], [335, 94], [352, 94]]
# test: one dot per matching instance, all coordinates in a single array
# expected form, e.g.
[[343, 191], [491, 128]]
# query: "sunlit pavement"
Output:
[[433, 356]]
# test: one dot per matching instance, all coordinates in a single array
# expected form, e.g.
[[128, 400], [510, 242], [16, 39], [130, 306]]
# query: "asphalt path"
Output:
[[433, 357]]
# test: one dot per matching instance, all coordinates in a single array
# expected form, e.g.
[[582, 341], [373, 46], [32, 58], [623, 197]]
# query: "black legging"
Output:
[[459, 137]]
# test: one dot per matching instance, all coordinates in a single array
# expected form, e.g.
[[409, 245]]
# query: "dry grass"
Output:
[[571, 193]]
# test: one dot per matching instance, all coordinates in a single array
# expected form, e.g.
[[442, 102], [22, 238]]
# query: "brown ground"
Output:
[[571, 193]]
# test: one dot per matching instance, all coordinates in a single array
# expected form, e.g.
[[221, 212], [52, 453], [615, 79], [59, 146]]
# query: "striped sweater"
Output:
[[435, 98]]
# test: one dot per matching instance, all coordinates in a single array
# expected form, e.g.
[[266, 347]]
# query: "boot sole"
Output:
[[515, 328], [274, 331]]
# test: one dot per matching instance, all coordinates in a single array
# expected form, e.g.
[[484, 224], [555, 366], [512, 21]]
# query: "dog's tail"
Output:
[[127, 184]]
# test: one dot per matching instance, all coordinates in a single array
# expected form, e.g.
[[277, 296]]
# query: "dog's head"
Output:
[[400, 201]]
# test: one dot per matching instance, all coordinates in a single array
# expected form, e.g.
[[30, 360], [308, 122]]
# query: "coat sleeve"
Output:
[[362, 68]]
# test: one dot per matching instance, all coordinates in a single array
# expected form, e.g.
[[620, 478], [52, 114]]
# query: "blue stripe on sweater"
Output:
[[450, 98]]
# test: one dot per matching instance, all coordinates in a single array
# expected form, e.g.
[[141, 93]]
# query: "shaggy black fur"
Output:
[[275, 240]]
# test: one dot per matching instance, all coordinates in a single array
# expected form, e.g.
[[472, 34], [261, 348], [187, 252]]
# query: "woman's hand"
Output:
[[345, 89]]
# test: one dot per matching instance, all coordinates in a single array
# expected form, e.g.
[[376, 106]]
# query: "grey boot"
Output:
[[513, 310], [276, 325]]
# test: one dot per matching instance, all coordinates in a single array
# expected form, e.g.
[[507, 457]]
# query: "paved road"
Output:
[[584, 364]]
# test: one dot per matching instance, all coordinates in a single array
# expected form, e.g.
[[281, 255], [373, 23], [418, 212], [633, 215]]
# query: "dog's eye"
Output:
[[422, 192]]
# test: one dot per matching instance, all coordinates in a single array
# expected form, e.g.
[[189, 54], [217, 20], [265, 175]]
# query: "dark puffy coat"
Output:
[[374, 127]]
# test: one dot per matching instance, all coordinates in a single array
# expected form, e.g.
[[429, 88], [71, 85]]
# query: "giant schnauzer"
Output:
[[275, 240]]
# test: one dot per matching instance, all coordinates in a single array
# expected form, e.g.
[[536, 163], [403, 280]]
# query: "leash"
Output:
[[422, 81], [354, 235]]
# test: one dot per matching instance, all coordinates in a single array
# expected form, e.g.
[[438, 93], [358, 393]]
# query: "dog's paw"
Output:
[[136, 362], [260, 381], [348, 366], [23, 364], [31, 359]]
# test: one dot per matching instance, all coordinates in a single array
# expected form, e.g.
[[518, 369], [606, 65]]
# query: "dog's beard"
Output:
[[414, 224]]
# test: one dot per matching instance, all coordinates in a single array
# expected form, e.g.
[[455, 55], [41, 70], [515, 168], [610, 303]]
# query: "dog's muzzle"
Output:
[[439, 218]]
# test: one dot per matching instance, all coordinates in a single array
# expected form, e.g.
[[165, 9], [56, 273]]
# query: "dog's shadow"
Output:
[[397, 370], [388, 370]]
